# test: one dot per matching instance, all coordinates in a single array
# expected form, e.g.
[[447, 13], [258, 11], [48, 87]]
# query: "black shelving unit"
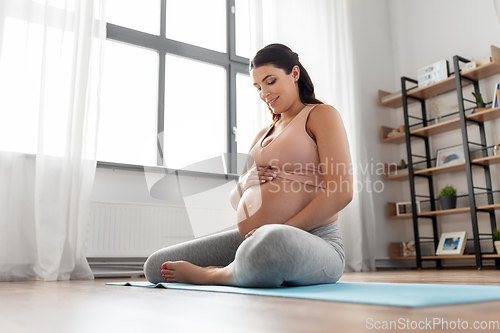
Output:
[[406, 97], [412, 176]]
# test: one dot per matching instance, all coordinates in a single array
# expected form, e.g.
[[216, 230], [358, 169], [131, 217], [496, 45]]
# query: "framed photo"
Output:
[[405, 208], [452, 243], [450, 155]]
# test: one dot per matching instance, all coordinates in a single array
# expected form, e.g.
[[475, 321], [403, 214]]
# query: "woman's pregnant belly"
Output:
[[274, 202]]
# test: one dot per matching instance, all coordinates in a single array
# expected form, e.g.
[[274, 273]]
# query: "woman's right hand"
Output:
[[258, 175]]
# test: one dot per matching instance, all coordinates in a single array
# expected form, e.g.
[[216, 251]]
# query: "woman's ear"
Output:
[[296, 73]]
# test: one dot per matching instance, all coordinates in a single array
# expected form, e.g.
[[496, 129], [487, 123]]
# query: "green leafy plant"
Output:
[[403, 163], [447, 190], [496, 235], [479, 98]]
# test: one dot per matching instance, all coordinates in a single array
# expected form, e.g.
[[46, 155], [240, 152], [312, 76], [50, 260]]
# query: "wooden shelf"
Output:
[[446, 212], [493, 256], [437, 88], [442, 127], [392, 214], [397, 217], [446, 126], [431, 171], [400, 177], [442, 169], [448, 84], [488, 160], [397, 139], [439, 128], [487, 70], [485, 116], [489, 207], [395, 102]]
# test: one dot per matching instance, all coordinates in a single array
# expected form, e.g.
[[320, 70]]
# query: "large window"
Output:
[[175, 78]]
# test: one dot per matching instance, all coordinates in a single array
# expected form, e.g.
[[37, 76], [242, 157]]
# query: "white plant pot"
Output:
[[497, 246]]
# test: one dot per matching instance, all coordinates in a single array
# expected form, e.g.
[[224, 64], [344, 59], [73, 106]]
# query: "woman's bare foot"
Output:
[[186, 272]]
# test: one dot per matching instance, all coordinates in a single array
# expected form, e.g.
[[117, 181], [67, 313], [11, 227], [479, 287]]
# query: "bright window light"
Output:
[[142, 15], [195, 112], [198, 22], [127, 126]]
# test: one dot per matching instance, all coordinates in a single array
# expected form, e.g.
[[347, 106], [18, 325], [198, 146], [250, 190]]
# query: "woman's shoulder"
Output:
[[322, 112], [322, 108], [324, 117]]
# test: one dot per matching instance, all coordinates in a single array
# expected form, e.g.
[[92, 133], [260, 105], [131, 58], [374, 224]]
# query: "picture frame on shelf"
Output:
[[452, 243], [403, 208], [450, 155]]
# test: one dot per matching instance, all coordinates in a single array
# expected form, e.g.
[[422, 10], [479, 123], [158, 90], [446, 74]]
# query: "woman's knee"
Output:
[[152, 268], [264, 248], [272, 232]]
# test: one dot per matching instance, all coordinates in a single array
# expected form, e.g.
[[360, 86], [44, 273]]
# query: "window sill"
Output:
[[140, 168]]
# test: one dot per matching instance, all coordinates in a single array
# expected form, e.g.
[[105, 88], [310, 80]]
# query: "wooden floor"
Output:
[[91, 306]]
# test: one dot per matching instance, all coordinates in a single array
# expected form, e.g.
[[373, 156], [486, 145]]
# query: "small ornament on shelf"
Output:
[[495, 147], [434, 106]]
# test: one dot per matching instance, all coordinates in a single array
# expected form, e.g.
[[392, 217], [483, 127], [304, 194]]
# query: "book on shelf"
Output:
[[496, 94]]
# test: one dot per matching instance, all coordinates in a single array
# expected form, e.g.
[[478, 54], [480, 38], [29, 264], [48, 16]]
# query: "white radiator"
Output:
[[135, 230]]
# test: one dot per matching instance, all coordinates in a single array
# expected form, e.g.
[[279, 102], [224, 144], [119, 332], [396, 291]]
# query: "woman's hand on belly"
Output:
[[258, 175], [271, 203]]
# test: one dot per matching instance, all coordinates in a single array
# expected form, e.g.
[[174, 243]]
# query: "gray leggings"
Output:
[[276, 254]]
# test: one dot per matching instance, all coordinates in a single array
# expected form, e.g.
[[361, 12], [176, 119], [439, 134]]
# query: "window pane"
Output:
[[198, 22], [195, 112], [127, 127], [142, 15], [242, 20]]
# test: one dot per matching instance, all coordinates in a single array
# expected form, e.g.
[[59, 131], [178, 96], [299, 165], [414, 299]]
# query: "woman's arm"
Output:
[[326, 125]]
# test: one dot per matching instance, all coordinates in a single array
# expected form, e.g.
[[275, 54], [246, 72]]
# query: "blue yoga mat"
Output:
[[393, 294]]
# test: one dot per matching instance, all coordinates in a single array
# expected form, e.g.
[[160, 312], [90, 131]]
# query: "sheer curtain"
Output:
[[319, 31], [50, 53]]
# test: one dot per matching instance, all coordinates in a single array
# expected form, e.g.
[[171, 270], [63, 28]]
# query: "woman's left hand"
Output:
[[250, 233]]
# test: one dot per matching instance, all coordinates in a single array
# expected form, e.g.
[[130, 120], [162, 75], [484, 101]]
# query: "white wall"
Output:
[[395, 38], [374, 70]]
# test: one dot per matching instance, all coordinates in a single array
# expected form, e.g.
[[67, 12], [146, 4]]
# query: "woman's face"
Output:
[[276, 88]]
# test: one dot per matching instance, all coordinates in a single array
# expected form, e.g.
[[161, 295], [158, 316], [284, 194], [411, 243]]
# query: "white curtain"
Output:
[[50, 53], [319, 31]]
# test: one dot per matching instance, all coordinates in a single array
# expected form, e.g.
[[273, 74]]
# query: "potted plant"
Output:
[[496, 239], [403, 164], [479, 100], [448, 197]]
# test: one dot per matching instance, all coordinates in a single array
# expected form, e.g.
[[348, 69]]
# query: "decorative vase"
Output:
[[448, 202], [497, 246]]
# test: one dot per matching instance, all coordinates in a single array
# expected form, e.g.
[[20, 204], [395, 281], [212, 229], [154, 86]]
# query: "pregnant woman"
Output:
[[287, 200]]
